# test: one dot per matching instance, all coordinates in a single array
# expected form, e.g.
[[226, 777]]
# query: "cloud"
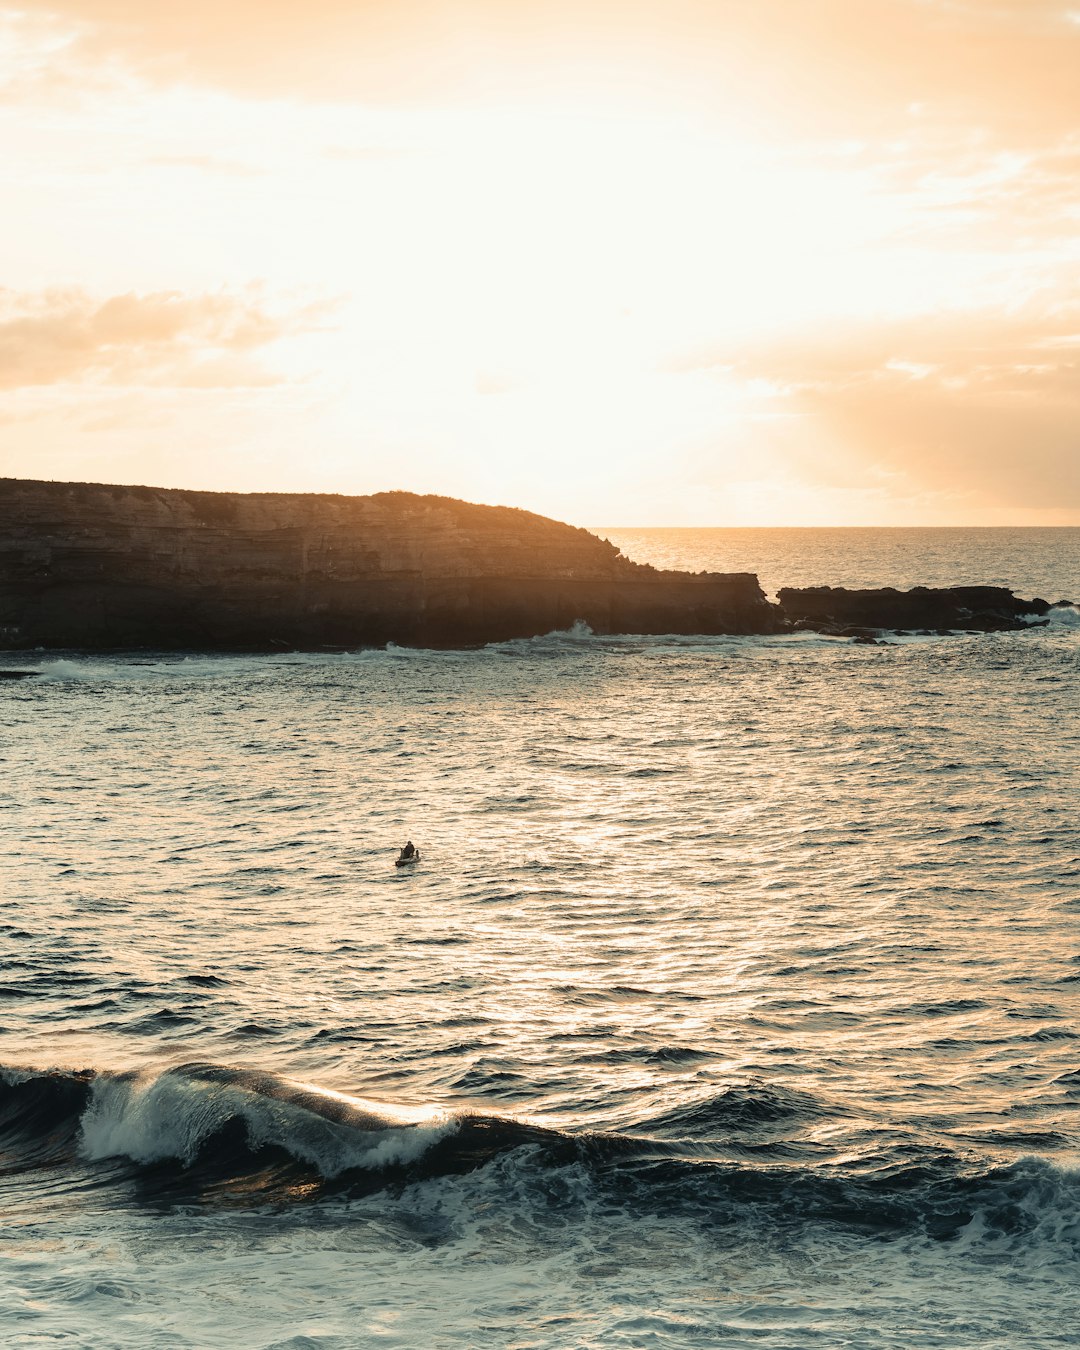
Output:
[[1004, 446], [975, 346], [982, 404], [163, 338], [854, 63]]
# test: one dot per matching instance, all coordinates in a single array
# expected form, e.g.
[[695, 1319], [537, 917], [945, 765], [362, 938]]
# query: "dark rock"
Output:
[[18, 674], [983, 608], [88, 565]]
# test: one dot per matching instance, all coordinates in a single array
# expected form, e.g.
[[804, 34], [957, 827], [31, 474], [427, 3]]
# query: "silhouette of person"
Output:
[[408, 850]]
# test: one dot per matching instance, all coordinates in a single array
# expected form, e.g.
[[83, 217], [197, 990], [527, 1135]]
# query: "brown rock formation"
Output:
[[93, 566]]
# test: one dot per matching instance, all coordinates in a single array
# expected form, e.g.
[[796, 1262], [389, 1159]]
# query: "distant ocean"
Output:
[[734, 1001], [1029, 561]]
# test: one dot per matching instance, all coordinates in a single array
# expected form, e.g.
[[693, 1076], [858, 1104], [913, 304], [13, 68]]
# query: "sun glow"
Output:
[[599, 295]]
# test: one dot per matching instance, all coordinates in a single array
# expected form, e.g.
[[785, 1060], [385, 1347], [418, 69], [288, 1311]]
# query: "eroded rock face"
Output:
[[94, 566], [88, 565], [985, 608]]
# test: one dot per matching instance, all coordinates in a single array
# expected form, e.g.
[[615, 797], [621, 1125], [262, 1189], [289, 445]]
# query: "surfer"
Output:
[[409, 854]]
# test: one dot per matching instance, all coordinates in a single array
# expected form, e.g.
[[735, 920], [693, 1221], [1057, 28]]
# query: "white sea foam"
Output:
[[172, 1115], [502, 1257], [1036, 1208], [15, 1077], [92, 669], [1063, 617], [77, 669]]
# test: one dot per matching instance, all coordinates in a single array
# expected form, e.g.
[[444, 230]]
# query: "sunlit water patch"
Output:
[[734, 1000]]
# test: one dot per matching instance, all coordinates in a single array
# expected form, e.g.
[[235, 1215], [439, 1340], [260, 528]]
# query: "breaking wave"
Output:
[[1065, 617], [258, 1138]]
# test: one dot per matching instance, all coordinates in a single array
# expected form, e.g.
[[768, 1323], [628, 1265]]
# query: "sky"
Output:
[[639, 262]]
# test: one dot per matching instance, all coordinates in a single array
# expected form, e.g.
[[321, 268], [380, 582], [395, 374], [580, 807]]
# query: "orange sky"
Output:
[[693, 262]]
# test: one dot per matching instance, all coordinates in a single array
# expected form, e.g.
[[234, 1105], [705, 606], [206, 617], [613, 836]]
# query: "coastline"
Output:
[[87, 566]]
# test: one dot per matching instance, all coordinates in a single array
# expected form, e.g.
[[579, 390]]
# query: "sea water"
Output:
[[733, 1001]]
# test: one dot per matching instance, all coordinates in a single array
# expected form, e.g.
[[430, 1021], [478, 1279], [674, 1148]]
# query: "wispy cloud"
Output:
[[161, 338], [1011, 66], [982, 403]]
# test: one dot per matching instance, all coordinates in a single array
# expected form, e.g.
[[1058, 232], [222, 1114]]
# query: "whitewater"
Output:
[[734, 1001]]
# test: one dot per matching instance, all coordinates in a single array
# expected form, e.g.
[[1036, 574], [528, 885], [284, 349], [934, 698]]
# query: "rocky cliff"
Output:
[[92, 566], [89, 565]]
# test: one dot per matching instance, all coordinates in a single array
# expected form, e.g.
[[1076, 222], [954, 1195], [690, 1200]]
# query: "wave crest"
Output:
[[173, 1115]]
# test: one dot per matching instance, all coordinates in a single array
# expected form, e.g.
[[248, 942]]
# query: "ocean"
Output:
[[733, 1001]]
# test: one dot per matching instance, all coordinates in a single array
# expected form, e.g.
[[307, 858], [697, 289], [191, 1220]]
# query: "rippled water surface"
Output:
[[734, 1000]]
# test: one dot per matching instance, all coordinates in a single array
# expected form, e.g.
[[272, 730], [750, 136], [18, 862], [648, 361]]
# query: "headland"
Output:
[[99, 566]]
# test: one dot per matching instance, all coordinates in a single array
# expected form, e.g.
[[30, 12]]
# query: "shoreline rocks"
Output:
[[982, 609]]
